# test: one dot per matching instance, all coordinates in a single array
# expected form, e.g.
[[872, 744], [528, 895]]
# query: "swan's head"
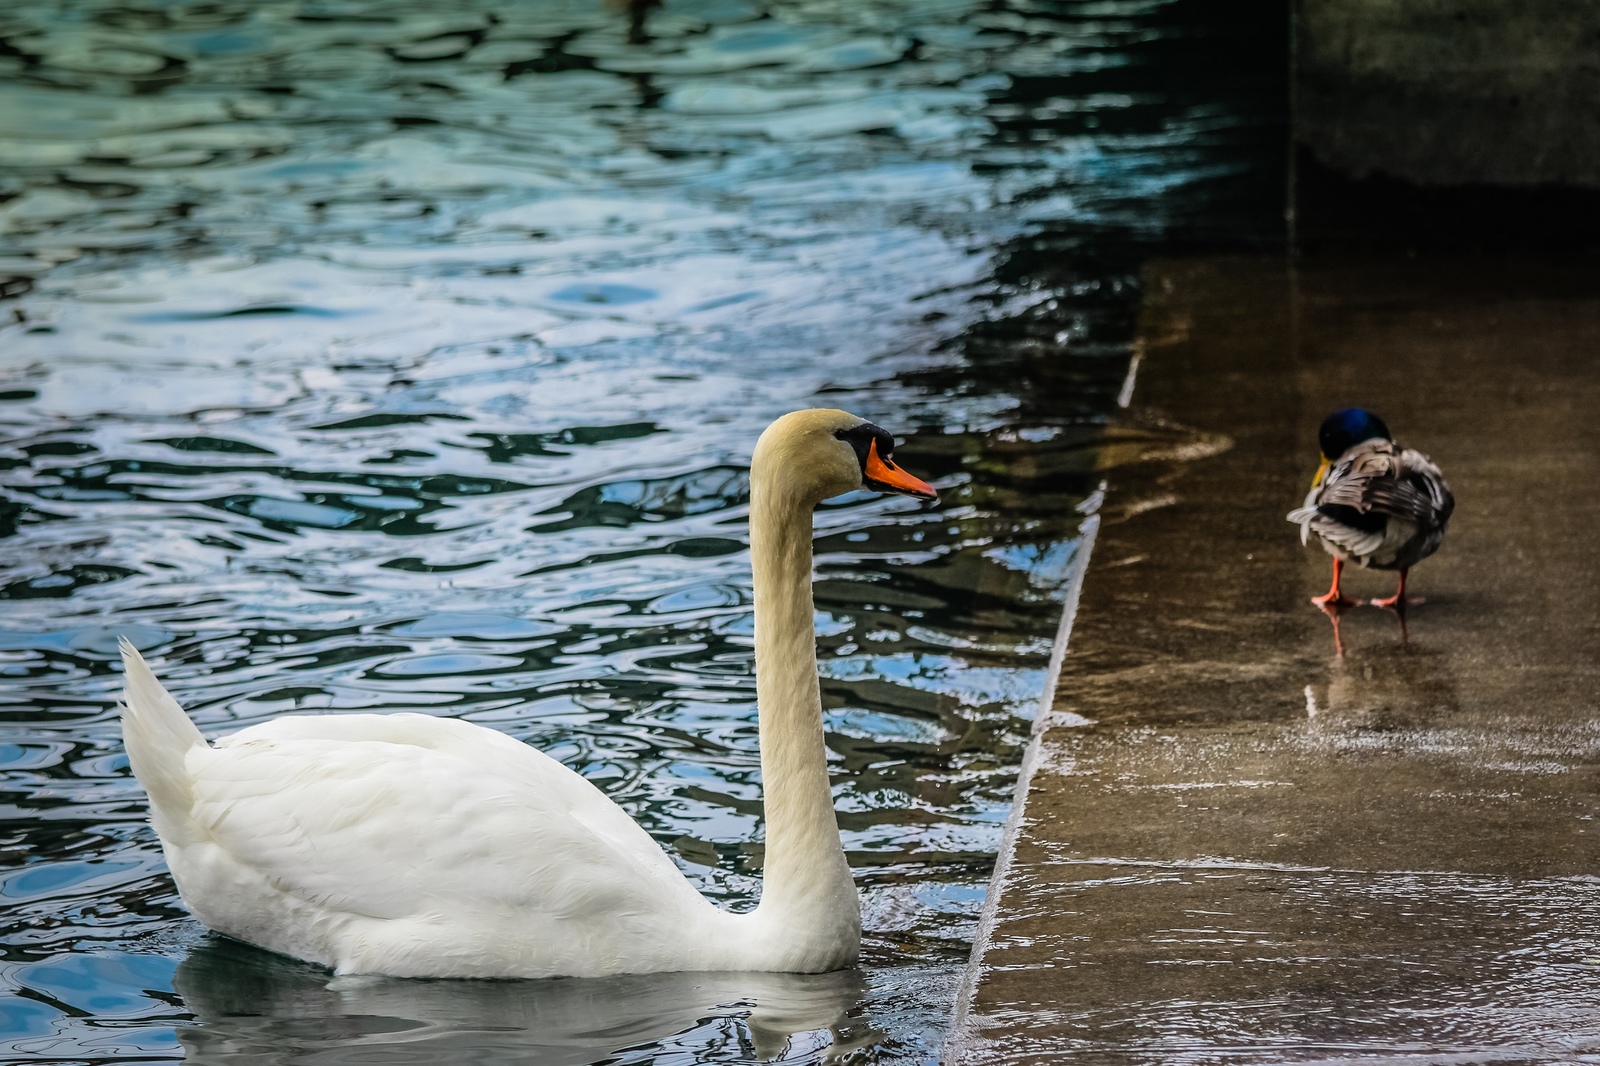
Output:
[[822, 452]]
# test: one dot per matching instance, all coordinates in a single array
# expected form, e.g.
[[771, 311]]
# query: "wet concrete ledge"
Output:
[[1234, 843]]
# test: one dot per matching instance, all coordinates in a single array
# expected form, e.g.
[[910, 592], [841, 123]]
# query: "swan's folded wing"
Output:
[[393, 830]]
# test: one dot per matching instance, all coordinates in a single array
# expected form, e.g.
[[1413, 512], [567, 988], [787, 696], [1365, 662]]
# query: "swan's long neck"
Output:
[[807, 889]]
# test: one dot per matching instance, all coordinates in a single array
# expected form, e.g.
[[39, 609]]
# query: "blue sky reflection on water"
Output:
[[363, 356]]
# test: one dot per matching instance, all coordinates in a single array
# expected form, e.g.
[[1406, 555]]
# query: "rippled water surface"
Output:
[[376, 355]]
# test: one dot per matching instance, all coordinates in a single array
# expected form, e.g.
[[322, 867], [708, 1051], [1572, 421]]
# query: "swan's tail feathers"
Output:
[[159, 738]]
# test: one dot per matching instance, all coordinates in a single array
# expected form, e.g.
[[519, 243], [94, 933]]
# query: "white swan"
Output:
[[415, 846]]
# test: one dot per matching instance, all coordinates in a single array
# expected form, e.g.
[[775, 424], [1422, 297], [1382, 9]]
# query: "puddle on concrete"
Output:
[[360, 356]]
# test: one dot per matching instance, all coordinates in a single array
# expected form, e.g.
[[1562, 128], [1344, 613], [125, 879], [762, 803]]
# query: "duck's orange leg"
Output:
[[1398, 601], [1333, 597]]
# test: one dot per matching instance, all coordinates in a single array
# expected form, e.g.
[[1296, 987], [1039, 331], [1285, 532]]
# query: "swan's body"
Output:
[[416, 846]]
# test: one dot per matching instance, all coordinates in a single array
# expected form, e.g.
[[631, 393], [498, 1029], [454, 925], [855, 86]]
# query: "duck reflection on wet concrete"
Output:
[[1379, 683], [1335, 613], [252, 1003]]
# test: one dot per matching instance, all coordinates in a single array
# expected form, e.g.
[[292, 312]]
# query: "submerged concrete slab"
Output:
[[1235, 843]]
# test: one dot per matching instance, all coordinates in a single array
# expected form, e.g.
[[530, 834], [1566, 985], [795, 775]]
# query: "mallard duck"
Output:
[[416, 846], [1372, 503]]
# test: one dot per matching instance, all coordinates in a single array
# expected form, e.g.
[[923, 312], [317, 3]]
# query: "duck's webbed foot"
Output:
[[1333, 599], [1398, 601]]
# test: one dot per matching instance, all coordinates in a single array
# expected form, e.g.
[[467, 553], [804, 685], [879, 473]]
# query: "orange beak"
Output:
[[884, 476]]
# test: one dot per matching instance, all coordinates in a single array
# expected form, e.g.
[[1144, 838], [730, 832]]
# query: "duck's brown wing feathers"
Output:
[[1376, 476], [1382, 505]]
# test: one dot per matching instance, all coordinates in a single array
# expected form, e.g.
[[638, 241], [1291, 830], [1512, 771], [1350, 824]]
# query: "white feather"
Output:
[[1304, 515], [1349, 544]]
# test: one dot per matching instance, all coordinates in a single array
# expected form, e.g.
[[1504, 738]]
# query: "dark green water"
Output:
[[381, 355]]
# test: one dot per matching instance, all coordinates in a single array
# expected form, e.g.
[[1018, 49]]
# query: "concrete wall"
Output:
[[1451, 92]]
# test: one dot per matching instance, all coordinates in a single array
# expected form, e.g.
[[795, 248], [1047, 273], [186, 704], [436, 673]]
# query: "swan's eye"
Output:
[[874, 449], [862, 437]]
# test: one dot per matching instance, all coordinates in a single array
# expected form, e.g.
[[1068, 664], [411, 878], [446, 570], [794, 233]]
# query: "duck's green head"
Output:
[[1342, 431]]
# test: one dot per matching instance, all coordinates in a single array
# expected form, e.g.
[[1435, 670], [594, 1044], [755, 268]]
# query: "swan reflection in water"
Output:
[[252, 1006]]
